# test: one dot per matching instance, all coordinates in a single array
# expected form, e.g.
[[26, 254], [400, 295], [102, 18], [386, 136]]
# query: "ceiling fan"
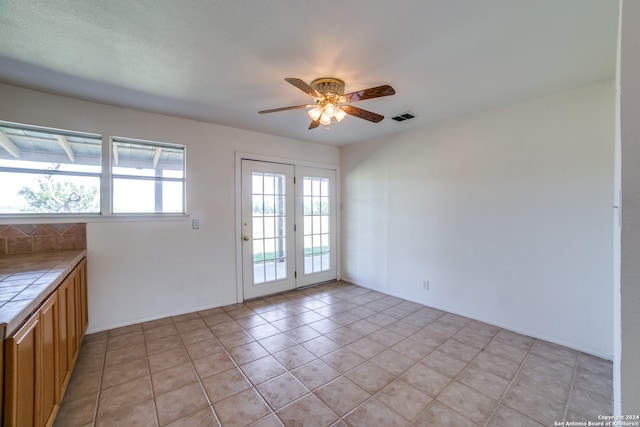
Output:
[[332, 103]]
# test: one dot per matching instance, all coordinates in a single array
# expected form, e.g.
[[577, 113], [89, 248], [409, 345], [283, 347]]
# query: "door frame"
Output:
[[239, 156]]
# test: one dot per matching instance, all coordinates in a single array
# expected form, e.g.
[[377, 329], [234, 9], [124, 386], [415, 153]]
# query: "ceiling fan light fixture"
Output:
[[340, 114], [315, 113], [325, 120], [330, 109]]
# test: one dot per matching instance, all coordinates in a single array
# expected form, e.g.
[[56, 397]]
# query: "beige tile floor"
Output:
[[334, 354]]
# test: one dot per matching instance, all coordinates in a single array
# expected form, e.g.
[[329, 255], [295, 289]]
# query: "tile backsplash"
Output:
[[37, 238]]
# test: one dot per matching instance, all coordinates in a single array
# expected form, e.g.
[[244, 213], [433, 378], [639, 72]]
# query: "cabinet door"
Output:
[[64, 370], [49, 378], [81, 295], [22, 370], [72, 322]]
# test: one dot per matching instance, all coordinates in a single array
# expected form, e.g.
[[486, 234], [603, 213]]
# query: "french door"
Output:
[[288, 227], [316, 224]]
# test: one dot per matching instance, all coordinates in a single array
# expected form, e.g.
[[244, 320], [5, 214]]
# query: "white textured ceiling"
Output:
[[221, 61]]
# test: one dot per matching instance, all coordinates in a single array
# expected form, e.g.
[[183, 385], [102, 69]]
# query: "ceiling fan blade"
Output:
[[303, 86], [372, 92], [293, 107], [363, 114], [314, 124]]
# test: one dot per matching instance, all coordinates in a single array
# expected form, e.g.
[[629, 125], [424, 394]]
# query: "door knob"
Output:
[[245, 238]]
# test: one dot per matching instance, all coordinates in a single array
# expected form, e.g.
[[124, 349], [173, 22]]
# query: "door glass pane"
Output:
[[258, 272], [280, 205], [269, 187], [257, 185], [316, 224], [281, 268], [269, 227], [324, 205], [269, 205], [269, 249], [324, 224], [258, 229], [325, 262], [258, 205], [324, 187]]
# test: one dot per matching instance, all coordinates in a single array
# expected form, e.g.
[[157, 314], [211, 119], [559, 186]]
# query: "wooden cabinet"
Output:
[[21, 394], [39, 356]]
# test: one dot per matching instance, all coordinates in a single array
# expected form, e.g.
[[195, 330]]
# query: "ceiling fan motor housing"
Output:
[[328, 86]]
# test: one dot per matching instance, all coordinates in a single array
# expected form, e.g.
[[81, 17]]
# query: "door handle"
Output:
[[245, 238]]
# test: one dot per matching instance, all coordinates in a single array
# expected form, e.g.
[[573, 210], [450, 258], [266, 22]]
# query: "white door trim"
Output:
[[239, 156]]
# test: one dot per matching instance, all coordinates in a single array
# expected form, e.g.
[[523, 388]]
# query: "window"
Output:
[[148, 177], [56, 172], [46, 171]]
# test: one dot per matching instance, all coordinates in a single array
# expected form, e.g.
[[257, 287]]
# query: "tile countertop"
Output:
[[26, 280]]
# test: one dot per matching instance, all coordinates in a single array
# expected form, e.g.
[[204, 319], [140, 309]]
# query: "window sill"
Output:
[[89, 218]]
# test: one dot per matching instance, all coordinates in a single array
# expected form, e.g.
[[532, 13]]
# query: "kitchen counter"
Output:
[[26, 281]]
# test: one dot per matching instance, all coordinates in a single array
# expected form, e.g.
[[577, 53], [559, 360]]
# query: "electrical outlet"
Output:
[[425, 285], [195, 224]]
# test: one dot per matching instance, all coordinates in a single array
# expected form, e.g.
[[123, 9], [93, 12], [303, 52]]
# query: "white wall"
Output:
[[507, 213], [627, 373], [141, 270]]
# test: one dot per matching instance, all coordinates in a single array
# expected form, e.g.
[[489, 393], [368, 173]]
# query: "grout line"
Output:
[[94, 419], [153, 392], [573, 380]]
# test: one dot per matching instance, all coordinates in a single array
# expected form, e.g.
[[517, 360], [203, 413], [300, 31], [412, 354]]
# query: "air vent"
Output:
[[403, 117]]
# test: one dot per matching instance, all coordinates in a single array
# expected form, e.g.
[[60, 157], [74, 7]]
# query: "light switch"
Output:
[[195, 224]]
